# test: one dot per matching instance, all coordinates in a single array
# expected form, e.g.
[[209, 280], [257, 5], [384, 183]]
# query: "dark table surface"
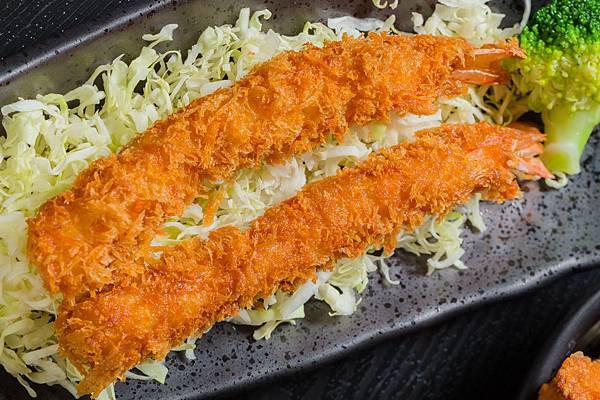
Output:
[[483, 354]]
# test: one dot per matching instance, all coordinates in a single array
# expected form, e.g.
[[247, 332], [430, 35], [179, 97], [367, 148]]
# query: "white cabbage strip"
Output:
[[52, 138]]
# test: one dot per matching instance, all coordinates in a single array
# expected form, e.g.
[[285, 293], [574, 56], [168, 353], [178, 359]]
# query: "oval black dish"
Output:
[[540, 237]]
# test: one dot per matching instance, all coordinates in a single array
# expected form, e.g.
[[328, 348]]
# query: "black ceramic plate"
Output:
[[580, 331], [544, 235]]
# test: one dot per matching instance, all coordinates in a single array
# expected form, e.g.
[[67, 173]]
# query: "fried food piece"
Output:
[[84, 239], [577, 379], [197, 283]]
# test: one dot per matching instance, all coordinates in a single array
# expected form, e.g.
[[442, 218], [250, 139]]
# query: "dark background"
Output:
[[483, 354]]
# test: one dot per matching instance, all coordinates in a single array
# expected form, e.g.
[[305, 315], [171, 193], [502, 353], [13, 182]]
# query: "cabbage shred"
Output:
[[52, 138]]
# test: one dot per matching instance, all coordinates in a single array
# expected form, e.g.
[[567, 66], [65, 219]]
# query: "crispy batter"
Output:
[[577, 379], [84, 239], [197, 283]]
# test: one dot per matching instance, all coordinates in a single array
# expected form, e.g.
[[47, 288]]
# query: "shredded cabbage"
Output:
[[473, 20], [383, 4], [560, 180], [526, 13], [354, 26], [51, 138]]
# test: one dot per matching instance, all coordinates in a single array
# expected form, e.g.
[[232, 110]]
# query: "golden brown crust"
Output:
[[197, 283], [81, 239], [549, 391], [577, 379]]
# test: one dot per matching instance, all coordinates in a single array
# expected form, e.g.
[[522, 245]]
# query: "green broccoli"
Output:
[[561, 77]]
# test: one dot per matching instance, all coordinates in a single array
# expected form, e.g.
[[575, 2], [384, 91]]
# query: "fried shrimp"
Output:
[[83, 239], [198, 283], [577, 379]]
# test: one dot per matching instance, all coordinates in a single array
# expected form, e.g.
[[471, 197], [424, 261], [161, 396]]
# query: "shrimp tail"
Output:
[[528, 148], [482, 66]]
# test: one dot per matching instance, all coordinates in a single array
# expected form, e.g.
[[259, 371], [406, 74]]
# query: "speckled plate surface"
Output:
[[542, 236]]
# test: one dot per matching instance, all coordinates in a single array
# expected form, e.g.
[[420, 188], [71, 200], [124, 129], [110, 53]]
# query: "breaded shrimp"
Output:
[[84, 239], [577, 379], [198, 283]]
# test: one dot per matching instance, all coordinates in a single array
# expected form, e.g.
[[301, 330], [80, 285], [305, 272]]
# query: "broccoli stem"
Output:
[[567, 133]]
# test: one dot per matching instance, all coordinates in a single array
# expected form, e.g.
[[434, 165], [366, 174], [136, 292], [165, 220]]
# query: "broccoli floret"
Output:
[[561, 77]]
